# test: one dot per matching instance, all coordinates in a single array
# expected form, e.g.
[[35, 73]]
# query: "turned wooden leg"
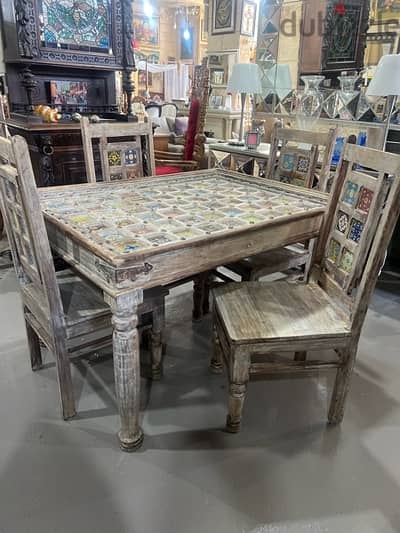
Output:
[[198, 292], [34, 347], [124, 309], [216, 362], [238, 379], [300, 356], [156, 347], [341, 387]]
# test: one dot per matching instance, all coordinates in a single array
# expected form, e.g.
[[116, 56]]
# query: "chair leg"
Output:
[[65, 382], [156, 347], [216, 363], [300, 356], [198, 292], [34, 347], [341, 387], [206, 295], [238, 379]]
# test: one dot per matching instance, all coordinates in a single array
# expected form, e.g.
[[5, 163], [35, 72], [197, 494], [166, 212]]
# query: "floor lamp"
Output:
[[386, 82], [245, 79]]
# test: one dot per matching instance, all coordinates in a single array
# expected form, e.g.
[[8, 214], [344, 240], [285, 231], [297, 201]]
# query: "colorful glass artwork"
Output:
[[346, 262], [303, 164], [356, 228], [365, 199], [72, 23], [350, 193], [287, 161], [114, 158], [130, 157], [333, 250], [128, 216], [342, 222]]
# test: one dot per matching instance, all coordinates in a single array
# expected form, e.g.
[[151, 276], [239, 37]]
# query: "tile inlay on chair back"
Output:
[[299, 153], [26, 228], [363, 210], [126, 149]]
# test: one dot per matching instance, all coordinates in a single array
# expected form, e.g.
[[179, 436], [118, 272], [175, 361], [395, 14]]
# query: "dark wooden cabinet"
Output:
[[56, 151]]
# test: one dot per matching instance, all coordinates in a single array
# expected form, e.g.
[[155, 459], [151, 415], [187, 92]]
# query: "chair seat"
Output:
[[167, 169], [259, 312], [270, 262]]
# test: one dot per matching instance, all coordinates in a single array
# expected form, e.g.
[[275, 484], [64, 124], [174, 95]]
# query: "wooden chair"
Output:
[[172, 163], [255, 320], [126, 149], [62, 309], [291, 162]]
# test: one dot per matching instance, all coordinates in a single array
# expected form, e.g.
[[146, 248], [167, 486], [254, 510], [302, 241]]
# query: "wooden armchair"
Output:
[[126, 149], [254, 321], [62, 309], [172, 163]]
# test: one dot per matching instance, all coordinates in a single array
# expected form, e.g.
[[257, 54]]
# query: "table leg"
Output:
[[124, 308]]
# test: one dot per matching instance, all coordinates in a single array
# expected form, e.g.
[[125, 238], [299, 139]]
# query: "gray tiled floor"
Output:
[[286, 472]]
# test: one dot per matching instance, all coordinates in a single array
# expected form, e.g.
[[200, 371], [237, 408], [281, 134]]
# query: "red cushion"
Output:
[[192, 127], [167, 169]]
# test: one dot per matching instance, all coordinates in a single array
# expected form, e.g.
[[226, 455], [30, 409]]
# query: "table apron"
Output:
[[170, 266]]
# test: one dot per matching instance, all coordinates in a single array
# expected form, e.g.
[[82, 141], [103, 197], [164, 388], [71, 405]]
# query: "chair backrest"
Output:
[[195, 138], [26, 229], [169, 110], [363, 209], [303, 155], [126, 149], [153, 110]]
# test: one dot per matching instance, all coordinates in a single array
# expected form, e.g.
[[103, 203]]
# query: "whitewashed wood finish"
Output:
[[66, 311], [139, 134], [118, 276], [254, 320]]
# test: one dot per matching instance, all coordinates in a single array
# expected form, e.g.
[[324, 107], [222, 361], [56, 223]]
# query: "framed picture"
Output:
[[186, 42], [249, 14], [223, 16], [147, 30], [142, 78], [217, 76], [252, 139], [66, 92]]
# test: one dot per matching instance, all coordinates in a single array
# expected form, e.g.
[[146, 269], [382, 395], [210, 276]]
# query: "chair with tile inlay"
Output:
[[254, 321], [62, 309], [126, 149], [291, 162]]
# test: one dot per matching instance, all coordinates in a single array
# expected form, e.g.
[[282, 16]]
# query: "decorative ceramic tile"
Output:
[[131, 175], [350, 193], [285, 179], [342, 222], [303, 164], [334, 250], [356, 228], [116, 177], [130, 157], [365, 199], [346, 262], [298, 181], [128, 216], [114, 158], [287, 162]]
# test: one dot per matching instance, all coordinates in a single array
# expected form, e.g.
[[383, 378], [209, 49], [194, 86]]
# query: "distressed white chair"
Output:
[[254, 320], [62, 309], [126, 149]]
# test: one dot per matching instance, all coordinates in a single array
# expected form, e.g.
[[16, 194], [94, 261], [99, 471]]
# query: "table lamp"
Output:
[[386, 82], [245, 79]]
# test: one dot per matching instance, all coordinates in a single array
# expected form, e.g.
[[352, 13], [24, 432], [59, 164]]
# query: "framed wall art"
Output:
[[223, 16], [249, 13], [147, 30]]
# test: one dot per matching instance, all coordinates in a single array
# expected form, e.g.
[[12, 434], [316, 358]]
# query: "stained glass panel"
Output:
[[75, 24]]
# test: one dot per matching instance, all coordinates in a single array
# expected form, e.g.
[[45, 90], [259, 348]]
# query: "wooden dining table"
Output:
[[127, 236]]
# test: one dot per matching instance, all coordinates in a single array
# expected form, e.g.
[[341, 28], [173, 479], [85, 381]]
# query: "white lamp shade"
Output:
[[386, 81], [245, 78]]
